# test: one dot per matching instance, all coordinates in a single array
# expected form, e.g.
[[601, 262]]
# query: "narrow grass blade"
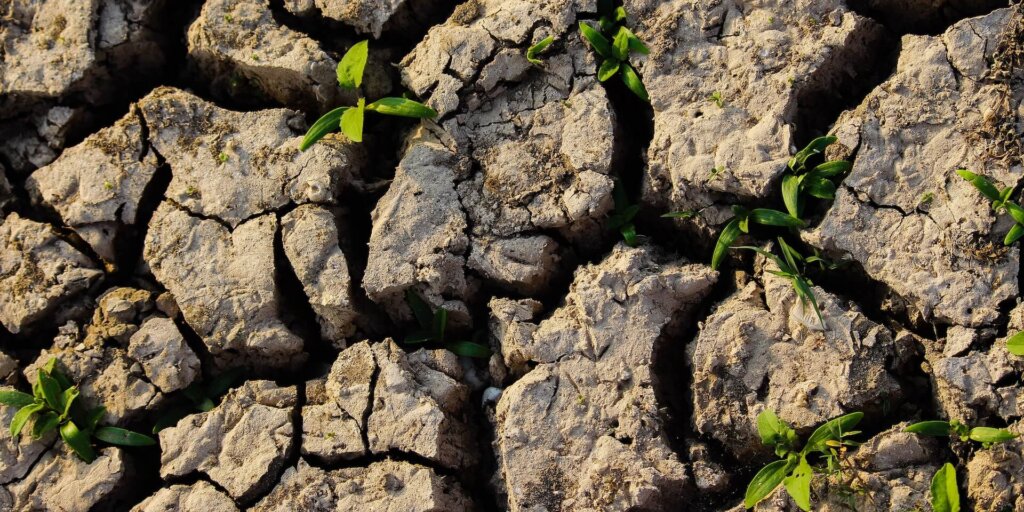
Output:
[[123, 437], [402, 107], [633, 82], [327, 123]]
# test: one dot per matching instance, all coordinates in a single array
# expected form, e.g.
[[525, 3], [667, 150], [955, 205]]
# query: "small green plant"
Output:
[[1015, 345], [622, 216], [222, 157], [350, 119], [434, 327], [614, 43], [791, 267], [681, 214], [800, 180], [1000, 203], [53, 405], [740, 223], [715, 171], [537, 49], [945, 491], [202, 397], [987, 436], [926, 199], [717, 99], [108, 185], [797, 465]]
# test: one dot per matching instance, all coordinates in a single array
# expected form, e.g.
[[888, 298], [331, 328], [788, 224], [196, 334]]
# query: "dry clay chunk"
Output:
[[38, 271], [582, 431], [239, 44], [198, 497], [386, 486], [416, 405], [233, 166], [97, 185], [944, 108], [17, 455], [763, 60], [35, 138], [369, 16], [224, 283], [241, 445], [165, 357], [751, 356], [61, 481], [995, 477]]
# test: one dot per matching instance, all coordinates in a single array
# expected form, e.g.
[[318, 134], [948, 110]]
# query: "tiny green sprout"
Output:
[[54, 406], [350, 119], [681, 214], [1000, 203], [926, 199], [255, 57], [433, 327], [986, 436], [222, 157], [945, 493], [108, 185], [790, 267], [623, 214], [717, 99], [201, 396], [715, 171], [537, 49], [803, 180], [740, 224], [614, 43], [229, 18], [580, 400], [191, 191], [1015, 344], [796, 468]]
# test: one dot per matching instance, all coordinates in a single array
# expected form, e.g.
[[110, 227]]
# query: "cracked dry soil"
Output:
[[159, 227]]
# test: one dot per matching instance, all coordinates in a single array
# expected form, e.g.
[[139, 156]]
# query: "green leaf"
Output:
[[68, 397], [13, 398], [223, 382], [819, 187], [991, 435], [745, 224], [1015, 211], [633, 82], [206, 404], [832, 169], [170, 418], [682, 214], [806, 294], [1004, 194], [945, 493], [51, 390], [623, 217], [78, 441], [769, 217], [420, 309], [798, 484], [628, 232], [770, 427], [440, 323], [792, 257], [725, 240], [327, 123], [934, 428], [535, 50], [53, 370], [598, 42], [94, 418], [791, 194], [635, 44], [352, 121], [608, 69], [832, 430], [1015, 233], [619, 14], [981, 183], [468, 349], [418, 338], [765, 481], [23, 415], [1016, 344], [352, 64], [44, 423], [620, 44], [815, 147], [403, 107], [123, 437]]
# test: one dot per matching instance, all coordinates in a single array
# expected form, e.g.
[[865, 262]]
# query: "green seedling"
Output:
[[797, 465], [801, 180], [614, 43], [987, 436], [53, 405], [715, 171], [1000, 203], [740, 224], [222, 157], [926, 199], [622, 216], [434, 327], [350, 119], [791, 267], [945, 491], [681, 214], [202, 397], [537, 49], [1015, 345], [717, 99]]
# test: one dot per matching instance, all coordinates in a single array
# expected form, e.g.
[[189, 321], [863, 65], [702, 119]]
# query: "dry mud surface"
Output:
[[160, 227]]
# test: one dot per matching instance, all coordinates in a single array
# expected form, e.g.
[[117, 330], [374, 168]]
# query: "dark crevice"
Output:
[[902, 19]]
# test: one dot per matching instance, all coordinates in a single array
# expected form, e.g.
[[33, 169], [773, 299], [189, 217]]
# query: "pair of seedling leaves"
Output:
[[350, 119], [796, 467], [614, 43], [434, 329], [945, 491], [54, 405]]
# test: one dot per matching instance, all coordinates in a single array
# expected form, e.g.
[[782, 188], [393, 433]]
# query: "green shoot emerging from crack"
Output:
[[945, 492], [821, 453], [537, 49], [53, 405], [614, 43], [623, 214], [350, 119], [801, 181], [1015, 345], [434, 326], [717, 99], [1000, 202], [202, 397], [987, 436], [740, 224], [791, 267]]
